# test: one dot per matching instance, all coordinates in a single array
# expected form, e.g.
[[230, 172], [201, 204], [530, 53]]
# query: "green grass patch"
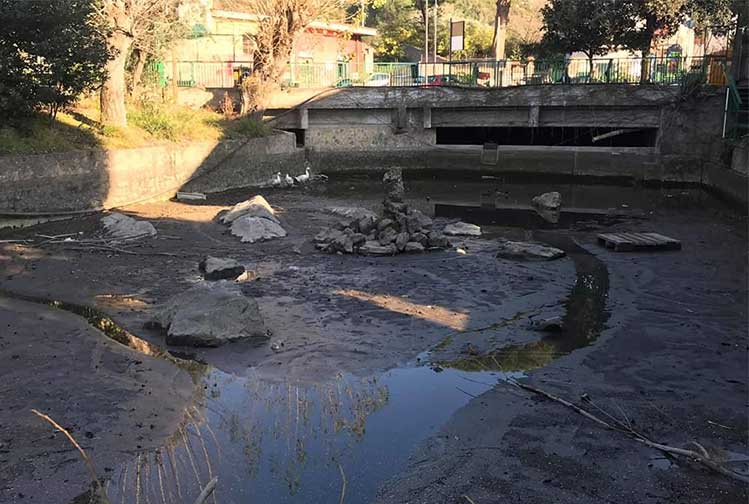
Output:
[[37, 134], [147, 124]]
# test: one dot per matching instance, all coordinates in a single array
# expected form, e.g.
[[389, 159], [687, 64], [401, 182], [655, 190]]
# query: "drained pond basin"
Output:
[[388, 379]]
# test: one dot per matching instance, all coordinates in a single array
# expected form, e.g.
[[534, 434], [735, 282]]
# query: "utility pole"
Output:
[[426, 36], [434, 60]]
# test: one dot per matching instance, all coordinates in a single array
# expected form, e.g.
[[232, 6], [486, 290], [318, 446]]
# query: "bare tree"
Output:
[[132, 23], [279, 23]]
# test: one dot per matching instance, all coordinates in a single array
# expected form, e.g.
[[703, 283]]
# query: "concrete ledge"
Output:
[[85, 180], [727, 184]]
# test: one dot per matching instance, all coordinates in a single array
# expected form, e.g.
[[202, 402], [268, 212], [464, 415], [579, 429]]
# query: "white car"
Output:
[[378, 79]]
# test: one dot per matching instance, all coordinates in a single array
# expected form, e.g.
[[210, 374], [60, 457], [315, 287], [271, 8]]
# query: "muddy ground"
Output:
[[663, 341]]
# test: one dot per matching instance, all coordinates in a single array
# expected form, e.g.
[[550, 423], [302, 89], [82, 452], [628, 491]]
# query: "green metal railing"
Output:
[[736, 114], [483, 73]]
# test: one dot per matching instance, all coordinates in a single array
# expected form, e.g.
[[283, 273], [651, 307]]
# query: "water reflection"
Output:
[[584, 319], [274, 441]]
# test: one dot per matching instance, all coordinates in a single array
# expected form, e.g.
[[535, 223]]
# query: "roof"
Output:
[[317, 25]]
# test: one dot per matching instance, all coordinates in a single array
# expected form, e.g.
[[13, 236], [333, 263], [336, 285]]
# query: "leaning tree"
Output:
[[133, 23]]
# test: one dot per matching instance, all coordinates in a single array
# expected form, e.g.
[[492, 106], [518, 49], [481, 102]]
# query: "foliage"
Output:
[[590, 26], [397, 25], [50, 52]]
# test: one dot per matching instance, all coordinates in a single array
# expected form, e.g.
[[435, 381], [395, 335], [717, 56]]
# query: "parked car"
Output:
[[442, 80], [347, 83], [378, 79]]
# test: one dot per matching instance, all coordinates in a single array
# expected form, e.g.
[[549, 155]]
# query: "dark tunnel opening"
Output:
[[549, 136]]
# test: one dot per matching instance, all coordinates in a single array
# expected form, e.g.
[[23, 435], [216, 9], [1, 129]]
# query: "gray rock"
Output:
[[400, 241], [387, 235], [527, 251], [351, 213], [122, 227], [216, 268], [374, 248], [253, 229], [437, 240], [210, 315], [420, 238], [367, 224], [462, 229], [393, 208], [333, 240], [393, 182], [413, 247], [257, 206], [384, 223], [548, 205], [551, 324], [416, 221]]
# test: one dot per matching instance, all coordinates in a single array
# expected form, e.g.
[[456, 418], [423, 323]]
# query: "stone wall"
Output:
[[83, 180]]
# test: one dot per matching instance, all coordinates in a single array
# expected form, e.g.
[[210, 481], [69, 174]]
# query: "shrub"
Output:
[[50, 52]]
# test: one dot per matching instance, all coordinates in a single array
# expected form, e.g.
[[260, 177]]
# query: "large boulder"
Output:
[[548, 206], [526, 251], [122, 227], [462, 229], [257, 206], [254, 229], [218, 268], [210, 315]]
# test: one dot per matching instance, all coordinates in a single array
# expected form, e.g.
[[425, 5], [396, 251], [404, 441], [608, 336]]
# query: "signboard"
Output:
[[457, 30]]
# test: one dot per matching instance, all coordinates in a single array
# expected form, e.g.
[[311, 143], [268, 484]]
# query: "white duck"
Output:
[[276, 180], [304, 177], [288, 180]]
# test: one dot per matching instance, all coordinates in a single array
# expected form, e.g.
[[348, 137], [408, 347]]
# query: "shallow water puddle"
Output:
[[281, 442]]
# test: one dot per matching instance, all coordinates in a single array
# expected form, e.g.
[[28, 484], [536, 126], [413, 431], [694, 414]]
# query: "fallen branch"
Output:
[[207, 491], [702, 456], [86, 459], [343, 486]]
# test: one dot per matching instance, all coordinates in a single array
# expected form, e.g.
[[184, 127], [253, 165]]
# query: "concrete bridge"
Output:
[[640, 132]]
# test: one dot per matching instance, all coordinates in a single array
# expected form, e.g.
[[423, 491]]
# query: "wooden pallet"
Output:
[[622, 242]]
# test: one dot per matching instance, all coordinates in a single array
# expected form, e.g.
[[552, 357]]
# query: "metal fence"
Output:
[[486, 73]]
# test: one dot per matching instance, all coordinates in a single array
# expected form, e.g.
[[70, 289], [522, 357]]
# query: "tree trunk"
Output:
[[140, 64], [112, 99], [501, 18]]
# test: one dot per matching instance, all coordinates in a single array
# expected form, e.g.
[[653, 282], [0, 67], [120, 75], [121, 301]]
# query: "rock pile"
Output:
[[399, 229], [253, 220]]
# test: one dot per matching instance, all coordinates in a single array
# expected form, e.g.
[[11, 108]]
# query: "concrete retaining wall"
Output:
[[82, 180]]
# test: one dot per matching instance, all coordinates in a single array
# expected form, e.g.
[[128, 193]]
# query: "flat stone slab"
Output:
[[217, 268], [256, 229], [122, 226], [210, 315], [526, 251], [351, 213], [257, 206], [373, 248], [462, 229]]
